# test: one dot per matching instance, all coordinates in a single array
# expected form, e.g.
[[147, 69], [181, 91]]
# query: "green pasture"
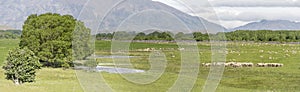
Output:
[[254, 79]]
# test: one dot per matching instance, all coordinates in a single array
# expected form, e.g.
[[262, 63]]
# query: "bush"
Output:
[[21, 66]]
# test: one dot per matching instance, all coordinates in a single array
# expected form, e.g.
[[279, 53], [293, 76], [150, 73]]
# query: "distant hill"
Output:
[[270, 25], [10, 33], [3, 27], [16, 32], [15, 12]]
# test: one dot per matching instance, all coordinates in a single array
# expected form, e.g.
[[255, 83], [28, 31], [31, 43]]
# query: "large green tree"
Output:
[[21, 66], [50, 37]]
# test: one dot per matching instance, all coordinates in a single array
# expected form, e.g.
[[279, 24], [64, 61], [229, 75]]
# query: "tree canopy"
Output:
[[50, 37]]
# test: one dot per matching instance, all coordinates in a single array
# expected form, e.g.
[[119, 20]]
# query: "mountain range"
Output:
[[14, 13], [270, 25], [130, 15]]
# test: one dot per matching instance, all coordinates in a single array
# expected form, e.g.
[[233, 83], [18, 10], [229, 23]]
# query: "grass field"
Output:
[[47, 80], [255, 79]]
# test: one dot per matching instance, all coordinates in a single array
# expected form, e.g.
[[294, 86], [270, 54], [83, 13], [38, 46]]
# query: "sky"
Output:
[[234, 13]]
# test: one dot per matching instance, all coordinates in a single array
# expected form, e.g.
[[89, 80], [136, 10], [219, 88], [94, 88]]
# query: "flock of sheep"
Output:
[[269, 64], [243, 64], [153, 49]]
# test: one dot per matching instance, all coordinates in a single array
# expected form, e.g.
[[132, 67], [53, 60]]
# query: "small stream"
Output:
[[111, 56], [110, 67]]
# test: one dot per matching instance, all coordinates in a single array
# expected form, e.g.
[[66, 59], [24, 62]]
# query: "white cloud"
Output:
[[233, 13], [174, 3], [233, 23], [255, 3], [259, 13]]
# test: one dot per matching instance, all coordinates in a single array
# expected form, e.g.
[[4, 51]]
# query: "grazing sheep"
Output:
[[237, 65], [203, 64], [242, 64], [281, 65], [227, 64], [147, 49], [247, 64], [207, 64], [269, 64], [218, 63], [181, 49], [213, 64], [261, 64]]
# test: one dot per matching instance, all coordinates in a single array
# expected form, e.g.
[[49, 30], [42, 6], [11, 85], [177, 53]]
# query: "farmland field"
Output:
[[243, 79]]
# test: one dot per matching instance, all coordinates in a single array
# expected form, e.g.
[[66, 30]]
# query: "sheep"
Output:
[[269, 64], [203, 64], [212, 64], [247, 64], [280, 65], [242, 64], [181, 49], [237, 65], [261, 64], [218, 63], [276, 64], [206, 64], [231, 63], [147, 49], [227, 64]]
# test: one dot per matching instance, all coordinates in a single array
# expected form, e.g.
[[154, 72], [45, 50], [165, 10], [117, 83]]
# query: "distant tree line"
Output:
[[156, 35], [239, 35], [264, 35], [137, 36], [10, 34]]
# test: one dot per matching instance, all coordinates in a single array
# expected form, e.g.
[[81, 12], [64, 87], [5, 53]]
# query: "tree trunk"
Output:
[[16, 81]]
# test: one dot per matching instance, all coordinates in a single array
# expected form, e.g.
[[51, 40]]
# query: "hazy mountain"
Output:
[[270, 25], [156, 18], [14, 12], [130, 14]]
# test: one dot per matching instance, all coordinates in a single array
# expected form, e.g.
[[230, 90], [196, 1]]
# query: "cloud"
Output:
[[258, 13], [189, 6], [233, 23], [233, 13], [255, 3], [238, 16]]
